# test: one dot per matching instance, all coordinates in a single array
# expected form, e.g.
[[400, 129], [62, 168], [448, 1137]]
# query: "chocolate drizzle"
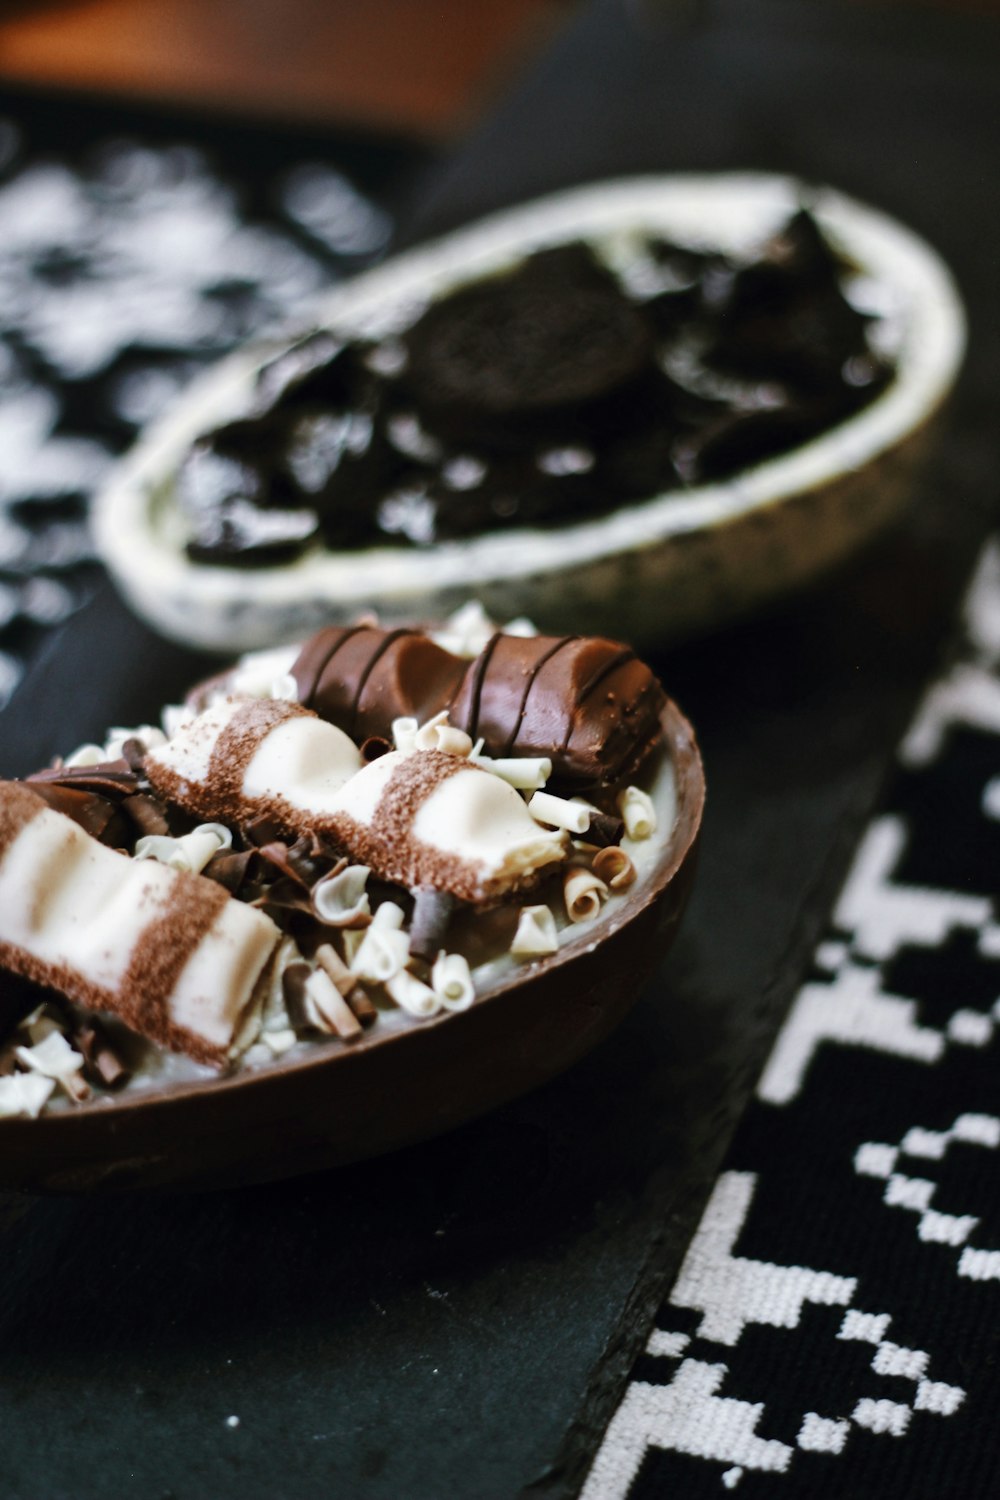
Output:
[[478, 672]]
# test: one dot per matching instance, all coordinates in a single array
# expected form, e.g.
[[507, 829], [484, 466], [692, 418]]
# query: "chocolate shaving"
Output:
[[134, 752], [362, 1007], [148, 814], [605, 829], [293, 988], [263, 829], [432, 912], [347, 986], [102, 1064], [89, 810], [306, 861], [284, 894], [373, 748], [114, 778], [233, 869]]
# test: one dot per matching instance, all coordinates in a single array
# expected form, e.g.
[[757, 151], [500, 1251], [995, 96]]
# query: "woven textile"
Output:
[[133, 251], [835, 1324]]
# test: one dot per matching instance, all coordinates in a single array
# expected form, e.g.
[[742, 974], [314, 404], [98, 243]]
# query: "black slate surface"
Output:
[[459, 1319]]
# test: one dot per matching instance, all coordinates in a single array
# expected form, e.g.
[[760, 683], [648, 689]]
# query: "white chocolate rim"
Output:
[[140, 532]]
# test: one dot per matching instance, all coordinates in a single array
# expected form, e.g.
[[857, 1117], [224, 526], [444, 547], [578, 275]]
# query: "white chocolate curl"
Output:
[[24, 1094], [614, 867], [192, 852], [404, 733], [411, 994], [342, 900], [536, 933], [265, 674], [326, 1009], [528, 774], [170, 953], [451, 981], [85, 755], [583, 892], [638, 812], [559, 813], [54, 1058], [438, 734], [385, 947]]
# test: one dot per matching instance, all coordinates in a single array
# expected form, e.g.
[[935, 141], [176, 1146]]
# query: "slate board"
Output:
[[459, 1319]]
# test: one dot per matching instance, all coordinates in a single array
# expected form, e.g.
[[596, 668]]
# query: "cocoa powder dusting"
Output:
[[18, 806], [163, 948]]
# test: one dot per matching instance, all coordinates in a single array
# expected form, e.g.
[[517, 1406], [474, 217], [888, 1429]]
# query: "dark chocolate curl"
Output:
[[293, 988], [95, 814], [432, 911], [364, 1010], [148, 814], [231, 868], [102, 1064], [605, 829], [112, 778]]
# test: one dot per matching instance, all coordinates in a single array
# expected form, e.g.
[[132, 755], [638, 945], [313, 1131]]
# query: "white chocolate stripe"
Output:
[[426, 818], [170, 953]]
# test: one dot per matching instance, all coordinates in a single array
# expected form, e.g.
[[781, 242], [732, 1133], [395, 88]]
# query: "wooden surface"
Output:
[[425, 66]]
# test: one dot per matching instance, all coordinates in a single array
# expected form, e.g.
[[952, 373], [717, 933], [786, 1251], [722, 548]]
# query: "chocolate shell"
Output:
[[389, 1088]]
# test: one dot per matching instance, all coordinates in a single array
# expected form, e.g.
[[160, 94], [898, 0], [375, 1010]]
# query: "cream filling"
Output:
[[359, 797], [479, 818], [305, 761], [68, 901]]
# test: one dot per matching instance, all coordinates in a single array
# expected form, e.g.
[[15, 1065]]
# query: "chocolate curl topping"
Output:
[[605, 830], [305, 862], [95, 814], [585, 702], [350, 990], [147, 813], [432, 912], [233, 869], [113, 779], [102, 1064], [94, 796]]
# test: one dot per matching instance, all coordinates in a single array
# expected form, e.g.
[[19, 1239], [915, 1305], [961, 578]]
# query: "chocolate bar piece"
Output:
[[169, 953], [586, 703], [423, 819], [361, 677]]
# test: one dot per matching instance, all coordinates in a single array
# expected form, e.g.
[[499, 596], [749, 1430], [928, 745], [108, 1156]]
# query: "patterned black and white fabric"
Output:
[[835, 1326], [128, 261]]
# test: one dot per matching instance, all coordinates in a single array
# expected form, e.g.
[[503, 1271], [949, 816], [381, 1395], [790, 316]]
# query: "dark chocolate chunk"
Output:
[[534, 396], [605, 830]]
